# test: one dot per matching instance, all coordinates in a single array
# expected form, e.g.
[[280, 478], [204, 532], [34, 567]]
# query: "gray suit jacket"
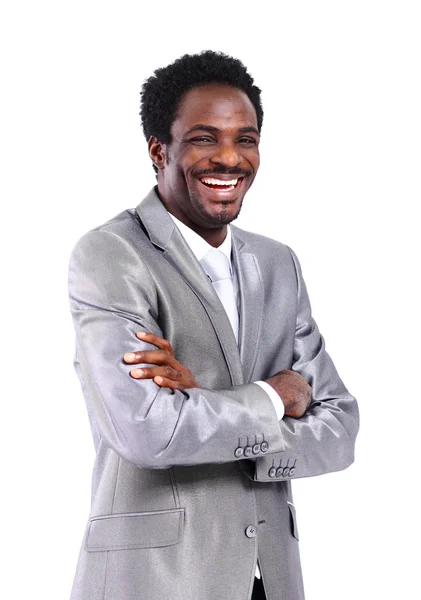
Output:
[[189, 486]]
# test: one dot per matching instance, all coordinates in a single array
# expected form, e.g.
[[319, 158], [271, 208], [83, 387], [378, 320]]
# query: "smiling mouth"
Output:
[[219, 184]]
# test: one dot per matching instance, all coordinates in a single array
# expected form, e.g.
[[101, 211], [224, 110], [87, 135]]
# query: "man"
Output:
[[206, 379]]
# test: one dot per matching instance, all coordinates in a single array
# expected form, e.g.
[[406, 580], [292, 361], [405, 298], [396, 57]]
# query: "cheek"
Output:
[[255, 159], [195, 158]]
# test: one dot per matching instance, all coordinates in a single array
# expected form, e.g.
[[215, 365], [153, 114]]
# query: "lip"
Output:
[[224, 177], [222, 195]]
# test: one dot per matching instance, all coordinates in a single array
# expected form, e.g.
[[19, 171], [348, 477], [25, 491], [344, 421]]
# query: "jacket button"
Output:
[[251, 531], [292, 471], [264, 446], [248, 451], [272, 472], [256, 448], [279, 471], [285, 472], [238, 452]]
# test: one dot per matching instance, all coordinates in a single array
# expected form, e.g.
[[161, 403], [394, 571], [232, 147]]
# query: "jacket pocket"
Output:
[[154, 529], [293, 518]]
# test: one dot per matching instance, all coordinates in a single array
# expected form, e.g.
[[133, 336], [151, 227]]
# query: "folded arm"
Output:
[[289, 392]]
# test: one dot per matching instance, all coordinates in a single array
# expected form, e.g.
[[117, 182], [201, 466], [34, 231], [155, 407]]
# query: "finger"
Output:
[[152, 357], [168, 383], [151, 372], [159, 342]]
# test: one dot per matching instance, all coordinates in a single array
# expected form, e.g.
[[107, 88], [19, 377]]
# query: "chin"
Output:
[[223, 214]]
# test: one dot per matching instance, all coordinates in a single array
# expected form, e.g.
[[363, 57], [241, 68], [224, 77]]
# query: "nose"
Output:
[[226, 155]]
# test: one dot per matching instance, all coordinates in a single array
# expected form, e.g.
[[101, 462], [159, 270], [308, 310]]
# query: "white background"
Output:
[[339, 182]]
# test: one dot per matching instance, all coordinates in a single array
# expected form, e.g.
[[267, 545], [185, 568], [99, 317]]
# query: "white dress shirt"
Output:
[[200, 248]]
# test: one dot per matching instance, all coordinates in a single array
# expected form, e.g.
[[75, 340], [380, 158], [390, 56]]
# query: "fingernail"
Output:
[[129, 356], [140, 334], [137, 372], [158, 379]]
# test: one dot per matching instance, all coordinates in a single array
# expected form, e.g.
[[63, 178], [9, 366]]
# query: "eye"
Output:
[[247, 141], [202, 140]]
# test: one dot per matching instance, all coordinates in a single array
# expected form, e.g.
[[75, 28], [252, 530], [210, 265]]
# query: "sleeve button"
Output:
[[248, 451], [238, 452]]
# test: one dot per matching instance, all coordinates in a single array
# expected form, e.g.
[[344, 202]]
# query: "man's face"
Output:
[[213, 157]]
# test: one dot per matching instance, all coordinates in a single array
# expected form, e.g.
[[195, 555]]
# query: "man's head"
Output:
[[202, 117]]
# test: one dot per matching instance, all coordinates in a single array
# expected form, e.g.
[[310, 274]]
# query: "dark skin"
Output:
[[214, 135]]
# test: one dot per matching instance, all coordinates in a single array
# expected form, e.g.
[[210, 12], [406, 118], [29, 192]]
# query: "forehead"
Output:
[[221, 106]]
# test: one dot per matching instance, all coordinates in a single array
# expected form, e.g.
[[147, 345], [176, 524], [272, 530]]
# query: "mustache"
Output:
[[220, 171]]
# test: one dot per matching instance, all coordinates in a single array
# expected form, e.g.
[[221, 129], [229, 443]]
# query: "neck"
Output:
[[214, 237]]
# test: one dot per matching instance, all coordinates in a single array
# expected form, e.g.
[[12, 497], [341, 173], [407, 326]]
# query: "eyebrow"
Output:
[[212, 129]]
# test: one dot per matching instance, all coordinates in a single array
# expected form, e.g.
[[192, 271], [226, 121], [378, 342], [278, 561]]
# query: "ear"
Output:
[[157, 152]]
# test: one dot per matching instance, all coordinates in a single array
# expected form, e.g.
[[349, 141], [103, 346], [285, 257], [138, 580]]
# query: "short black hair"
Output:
[[162, 92]]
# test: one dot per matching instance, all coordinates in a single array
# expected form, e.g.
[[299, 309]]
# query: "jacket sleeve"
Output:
[[323, 440], [112, 296]]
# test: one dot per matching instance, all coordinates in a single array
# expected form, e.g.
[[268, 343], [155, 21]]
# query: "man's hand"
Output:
[[166, 370], [294, 391]]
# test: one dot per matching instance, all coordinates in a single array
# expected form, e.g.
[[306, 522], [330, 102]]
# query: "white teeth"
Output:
[[214, 181]]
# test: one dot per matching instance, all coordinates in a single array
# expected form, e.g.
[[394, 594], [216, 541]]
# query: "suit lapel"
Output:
[[165, 235], [251, 303]]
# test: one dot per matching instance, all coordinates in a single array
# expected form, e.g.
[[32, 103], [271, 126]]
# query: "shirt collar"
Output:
[[198, 245]]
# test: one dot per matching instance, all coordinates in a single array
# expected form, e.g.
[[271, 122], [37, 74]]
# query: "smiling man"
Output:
[[206, 379]]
